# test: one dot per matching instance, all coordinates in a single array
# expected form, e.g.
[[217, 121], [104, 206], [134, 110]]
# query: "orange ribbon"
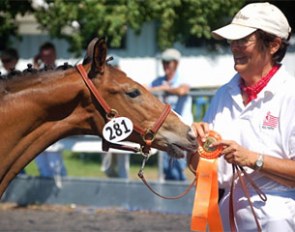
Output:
[[205, 209]]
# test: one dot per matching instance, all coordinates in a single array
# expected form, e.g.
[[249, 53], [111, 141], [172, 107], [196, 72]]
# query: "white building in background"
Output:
[[202, 68]]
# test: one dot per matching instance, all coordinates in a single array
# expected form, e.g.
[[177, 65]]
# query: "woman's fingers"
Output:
[[229, 149], [201, 129]]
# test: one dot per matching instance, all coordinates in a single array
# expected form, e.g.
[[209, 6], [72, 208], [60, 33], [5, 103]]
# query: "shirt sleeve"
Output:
[[212, 110], [157, 82]]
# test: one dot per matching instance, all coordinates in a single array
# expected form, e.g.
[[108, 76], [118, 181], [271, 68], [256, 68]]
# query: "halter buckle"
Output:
[[149, 136], [112, 114]]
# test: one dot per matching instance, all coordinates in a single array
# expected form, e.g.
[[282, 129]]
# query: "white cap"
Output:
[[263, 16], [171, 54]]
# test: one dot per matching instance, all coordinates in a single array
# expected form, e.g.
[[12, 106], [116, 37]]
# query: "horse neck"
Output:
[[52, 107]]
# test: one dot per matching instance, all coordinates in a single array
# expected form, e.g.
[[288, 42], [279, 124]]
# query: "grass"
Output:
[[89, 165]]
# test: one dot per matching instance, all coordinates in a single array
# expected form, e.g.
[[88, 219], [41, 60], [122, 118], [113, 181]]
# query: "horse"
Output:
[[40, 108]]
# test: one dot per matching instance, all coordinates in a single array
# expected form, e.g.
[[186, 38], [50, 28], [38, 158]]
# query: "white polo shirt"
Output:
[[266, 125]]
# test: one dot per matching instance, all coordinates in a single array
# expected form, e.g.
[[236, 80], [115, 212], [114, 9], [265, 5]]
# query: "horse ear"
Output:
[[89, 52], [98, 58]]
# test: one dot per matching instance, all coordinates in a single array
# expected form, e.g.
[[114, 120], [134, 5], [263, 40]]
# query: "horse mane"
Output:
[[31, 71], [16, 79]]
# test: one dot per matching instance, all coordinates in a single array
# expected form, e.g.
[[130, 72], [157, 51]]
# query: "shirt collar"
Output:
[[275, 83], [270, 89], [174, 78]]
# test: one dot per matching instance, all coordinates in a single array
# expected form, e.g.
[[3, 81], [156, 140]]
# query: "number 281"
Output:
[[117, 130]]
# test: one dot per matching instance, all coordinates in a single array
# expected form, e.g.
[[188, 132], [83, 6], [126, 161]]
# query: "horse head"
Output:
[[132, 100]]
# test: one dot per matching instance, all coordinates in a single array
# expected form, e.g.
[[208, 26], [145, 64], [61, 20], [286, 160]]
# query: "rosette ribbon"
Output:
[[205, 213]]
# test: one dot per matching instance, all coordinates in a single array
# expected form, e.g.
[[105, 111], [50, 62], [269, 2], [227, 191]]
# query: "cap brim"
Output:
[[169, 58], [233, 32]]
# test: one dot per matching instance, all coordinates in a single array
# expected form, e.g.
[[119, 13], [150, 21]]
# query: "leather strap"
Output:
[[241, 175], [161, 119], [186, 191], [92, 88]]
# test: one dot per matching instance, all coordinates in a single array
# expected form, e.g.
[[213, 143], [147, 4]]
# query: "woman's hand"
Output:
[[232, 151], [235, 153], [279, 170], [201, 130]]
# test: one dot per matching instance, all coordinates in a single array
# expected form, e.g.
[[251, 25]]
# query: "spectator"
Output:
[[175, 92], [49, 162], [46, 57], [9, 59], [254, 115], [116, 164]]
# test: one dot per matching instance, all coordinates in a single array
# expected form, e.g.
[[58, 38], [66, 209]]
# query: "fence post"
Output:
[[160, 167]]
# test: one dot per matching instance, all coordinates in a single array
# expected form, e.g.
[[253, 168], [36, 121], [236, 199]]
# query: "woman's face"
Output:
[[249, 58]]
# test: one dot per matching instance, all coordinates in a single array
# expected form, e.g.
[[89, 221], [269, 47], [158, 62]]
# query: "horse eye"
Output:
[[134, 93]]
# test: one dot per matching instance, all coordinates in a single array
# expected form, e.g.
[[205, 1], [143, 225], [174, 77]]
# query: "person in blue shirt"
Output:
[[174, 91]]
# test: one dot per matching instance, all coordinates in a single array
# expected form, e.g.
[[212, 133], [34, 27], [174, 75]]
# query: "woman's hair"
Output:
[[267, 38]]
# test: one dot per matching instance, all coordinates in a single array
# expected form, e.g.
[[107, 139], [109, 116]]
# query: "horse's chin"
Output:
[[176, 151]]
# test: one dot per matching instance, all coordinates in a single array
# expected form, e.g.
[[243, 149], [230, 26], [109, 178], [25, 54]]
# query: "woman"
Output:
[[254, 113]]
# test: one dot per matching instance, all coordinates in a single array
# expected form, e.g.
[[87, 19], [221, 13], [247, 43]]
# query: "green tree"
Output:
[[80, 20], [8, 11]]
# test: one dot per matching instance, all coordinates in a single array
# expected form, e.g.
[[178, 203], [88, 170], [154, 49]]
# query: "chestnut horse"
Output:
[[37, 109]]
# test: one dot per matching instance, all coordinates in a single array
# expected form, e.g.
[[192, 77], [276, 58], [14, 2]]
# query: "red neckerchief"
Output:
[[253, 90]]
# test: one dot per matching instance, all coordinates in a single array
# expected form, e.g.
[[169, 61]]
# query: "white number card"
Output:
[[117, 129]]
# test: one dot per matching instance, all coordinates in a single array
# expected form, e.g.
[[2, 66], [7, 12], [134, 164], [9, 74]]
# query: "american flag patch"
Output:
[[270, 121]]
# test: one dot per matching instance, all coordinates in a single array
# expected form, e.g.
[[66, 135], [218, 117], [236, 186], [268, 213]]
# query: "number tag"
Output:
[[117, 129]]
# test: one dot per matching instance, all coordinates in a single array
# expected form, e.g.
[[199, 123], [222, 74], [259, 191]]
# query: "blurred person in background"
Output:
[[9, 59], [46, 57], [175, 93]]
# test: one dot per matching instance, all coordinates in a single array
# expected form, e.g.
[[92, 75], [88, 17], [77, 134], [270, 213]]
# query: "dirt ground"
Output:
[[59, 218]]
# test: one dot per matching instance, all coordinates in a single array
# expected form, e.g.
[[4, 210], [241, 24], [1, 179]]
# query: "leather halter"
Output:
[[241, 175], [148, 135]]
